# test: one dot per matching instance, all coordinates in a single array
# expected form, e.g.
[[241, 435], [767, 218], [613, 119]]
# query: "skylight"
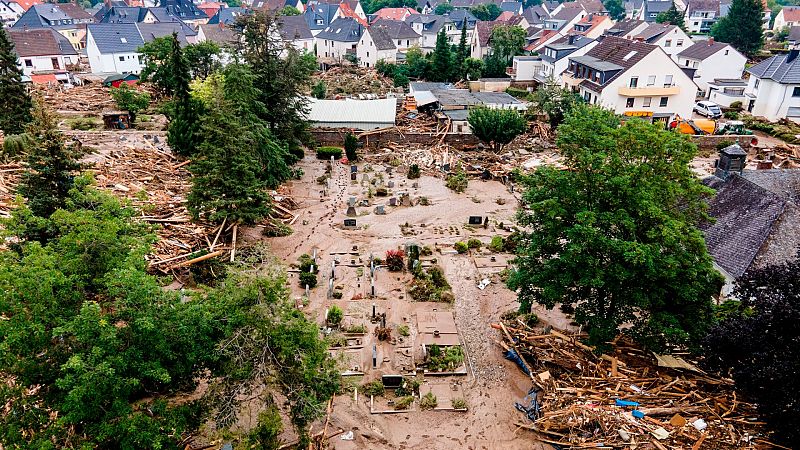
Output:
[[629, 55], [123, 40]]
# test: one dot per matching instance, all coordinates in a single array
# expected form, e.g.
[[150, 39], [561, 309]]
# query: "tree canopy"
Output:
[[756, 345], [672, 16], [486, 11], [555, 101], [496, 127], [508, 41], [183, 127], [615, 9], [742, 26], [15, 103], [615, 235], [158, 58]]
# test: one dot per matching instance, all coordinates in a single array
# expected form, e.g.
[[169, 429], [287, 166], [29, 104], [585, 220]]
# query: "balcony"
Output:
[[570, 80], [649, 91]]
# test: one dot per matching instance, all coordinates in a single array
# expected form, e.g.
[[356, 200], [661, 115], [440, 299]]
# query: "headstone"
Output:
[[475, 220], [415, 185], [353, 176], [351, 211], [393, 201], [446, 167], [351, 201], [365, 177], [380, 210], [353, 169], [390, 184], [349, 223]]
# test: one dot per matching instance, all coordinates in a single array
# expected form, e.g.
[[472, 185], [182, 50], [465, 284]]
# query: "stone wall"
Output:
[[393, 135], [709, 142]]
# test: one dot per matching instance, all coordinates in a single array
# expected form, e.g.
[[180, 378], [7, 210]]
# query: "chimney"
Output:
[[711, 41], [571, 39], [792, 55], [732, 159]]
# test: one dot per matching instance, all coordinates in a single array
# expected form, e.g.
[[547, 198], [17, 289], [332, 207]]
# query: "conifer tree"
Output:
[[672, 16], [742, 27], [462, 53], [183, 128], [15, 103], [442, 58], [52, 165]]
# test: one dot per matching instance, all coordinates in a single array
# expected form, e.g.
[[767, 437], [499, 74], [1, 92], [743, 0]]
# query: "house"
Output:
[[524, 68], [116, 80], [592, 26], [555, 56], [627, 28], [793, 39], [114, 48], [226, 16], [220, 34], [319, 16], [339, 39], [652, 8], [375, 45], [400, 14], [701, 15], [294, 29], [479, 45], [670, 38], [353, 114], [788, 16], [10, 11], [631, 78], [42, 50], [756, 216], [211, 8], [52, 15], [429, 25], [152, 31], [185, 10], [535, 15], [512, 7], [726, 91], [774, 87], [712, 60], [559, 24], [352, 6], [634, 9], [276, 5]]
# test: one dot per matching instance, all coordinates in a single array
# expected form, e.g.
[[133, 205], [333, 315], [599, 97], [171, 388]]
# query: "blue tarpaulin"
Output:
[[511, 355], [529, 405]]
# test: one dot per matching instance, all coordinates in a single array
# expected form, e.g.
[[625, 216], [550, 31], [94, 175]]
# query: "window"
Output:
[[629, 102], [367, 54], [122, 58], [696, 23], [757, 83], [651, 80], [54, 61], [668, 81], [726, 52], [646, 102], [796, 91], [687, 63], [679, 43], [663, 102], [668, 43], [634, 82]]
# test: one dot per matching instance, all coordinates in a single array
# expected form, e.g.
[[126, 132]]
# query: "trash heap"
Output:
[[627, 398]]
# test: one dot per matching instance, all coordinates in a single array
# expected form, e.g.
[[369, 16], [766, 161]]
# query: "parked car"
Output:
[[708, 109]]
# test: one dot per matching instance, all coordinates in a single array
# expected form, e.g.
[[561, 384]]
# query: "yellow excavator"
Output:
[[693, 126]]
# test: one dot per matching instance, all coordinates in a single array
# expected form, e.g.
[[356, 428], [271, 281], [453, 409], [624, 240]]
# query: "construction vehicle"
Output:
[[694, 127], [733, 127]]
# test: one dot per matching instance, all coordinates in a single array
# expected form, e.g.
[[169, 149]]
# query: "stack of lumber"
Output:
[[89, 98], [9, 177], [627, 398]]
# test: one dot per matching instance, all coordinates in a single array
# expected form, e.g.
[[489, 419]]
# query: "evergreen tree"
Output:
[[15, 102], [442, 58], [462, 53], [51, 165], [742, 26], [615, 9], [672, 16], [351, 147], [183, 128]]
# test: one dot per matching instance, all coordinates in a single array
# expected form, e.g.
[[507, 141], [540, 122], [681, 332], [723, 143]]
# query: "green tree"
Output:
[[52, 164], [130, 99], [555, 101], [615, 9], [616, 235], [443, 8], [494, 66], [496, 127], [442, 58], [15, 103], [417, 65], [473, 68], [289, 10], [742, 27], [507, 42], [159, 63], [203, 58], [320, 90], [351, 147], [282, 74], [182, 133], [486, 12], [462, 53], [672, 16]]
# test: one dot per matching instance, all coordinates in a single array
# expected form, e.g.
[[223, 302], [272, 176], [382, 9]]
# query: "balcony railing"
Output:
[[649, 91]]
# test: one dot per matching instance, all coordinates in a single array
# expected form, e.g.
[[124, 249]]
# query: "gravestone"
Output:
[[390, 184], [380, 210], [353, 169], [353, 176], [365, 178], [351, 201], [415, 185], [393, 201], [351, 211], [475, 220], [349, 223]]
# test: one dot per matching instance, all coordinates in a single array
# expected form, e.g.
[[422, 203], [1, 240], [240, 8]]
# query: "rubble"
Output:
[[626, 397], [353, 80]]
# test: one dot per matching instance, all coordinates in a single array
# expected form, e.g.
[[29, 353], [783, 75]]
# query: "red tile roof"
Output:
[[394, 13], [43, 78], [791, 13], [26, 4], [347, 11]]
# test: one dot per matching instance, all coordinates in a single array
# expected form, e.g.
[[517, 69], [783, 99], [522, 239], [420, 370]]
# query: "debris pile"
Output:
[[353, 80], [625, 398], [88, 98], [9, 177]]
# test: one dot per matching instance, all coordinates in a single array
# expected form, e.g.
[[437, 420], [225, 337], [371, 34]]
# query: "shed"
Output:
[[355, 114], [116, 120], [117, 79]]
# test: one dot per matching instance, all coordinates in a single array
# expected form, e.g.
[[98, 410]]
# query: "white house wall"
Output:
[[773, 99], [718, 65]]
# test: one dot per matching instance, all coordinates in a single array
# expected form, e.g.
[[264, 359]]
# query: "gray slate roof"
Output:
[[702, 50], [294, 27], [396, 29], [343, 29], [117, 37], [153, 31], [381, 38], [777, 68], [226, 16]]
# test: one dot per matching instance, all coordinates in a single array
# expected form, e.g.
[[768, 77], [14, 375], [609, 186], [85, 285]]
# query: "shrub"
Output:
[[351, 147], [733, 115], [459, 403], [448, 359], [335, 316], [320, 90], [474, 243], [403, 330], [83, 124], [306, 264], [409, 386], [327, 152], [423, 201], [497, 244], [428, 401], [403, 402], [375, 388], [16, 145], [517, 92], [413, 172], [356, 329], [426, 250], [737, 105], [308, 279], [337, 294], [457, 182], [394, 260], [461, 247], [724, 144]]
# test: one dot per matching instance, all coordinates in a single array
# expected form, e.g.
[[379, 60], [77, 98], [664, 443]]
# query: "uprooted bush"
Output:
[[445, 360], [457, 182], [430, 286], [374, 388]]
